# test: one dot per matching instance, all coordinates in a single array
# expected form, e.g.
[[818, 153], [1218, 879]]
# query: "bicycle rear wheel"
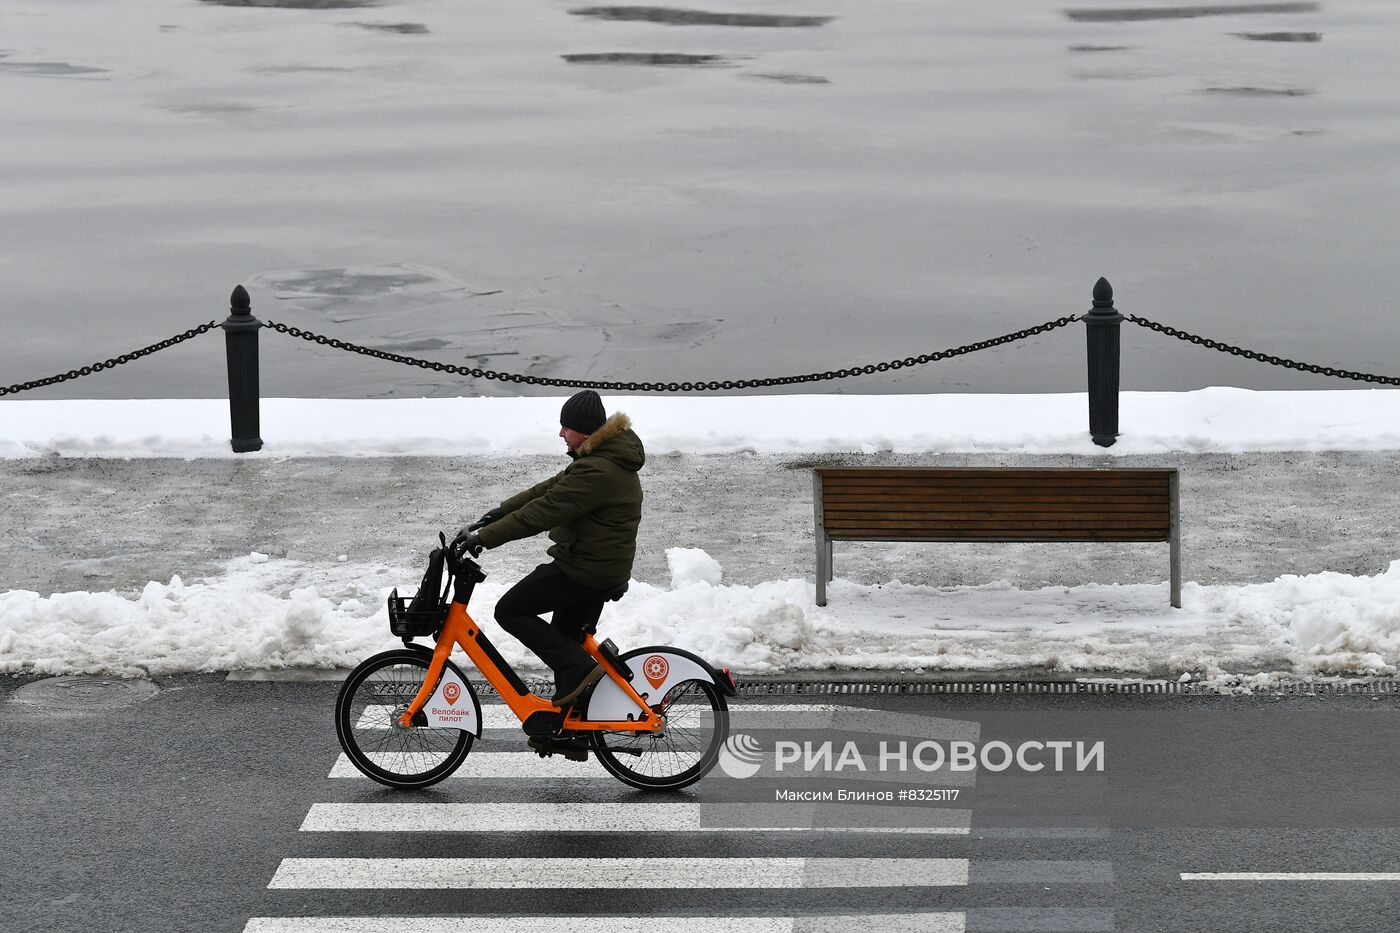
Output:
[[366, 722], [697, 723]]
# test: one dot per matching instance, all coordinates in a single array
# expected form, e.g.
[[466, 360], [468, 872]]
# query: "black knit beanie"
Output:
[[583, 412]]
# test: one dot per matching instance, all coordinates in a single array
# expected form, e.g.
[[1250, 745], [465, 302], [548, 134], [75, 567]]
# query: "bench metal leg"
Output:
[[830, 573], [1176, 540], [823, 543]]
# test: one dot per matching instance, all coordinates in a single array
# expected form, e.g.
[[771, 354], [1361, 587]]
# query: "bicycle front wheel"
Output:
[[697, 723], [366, 721]]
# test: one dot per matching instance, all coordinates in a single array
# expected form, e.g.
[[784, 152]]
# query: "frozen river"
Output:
[[716, 191]]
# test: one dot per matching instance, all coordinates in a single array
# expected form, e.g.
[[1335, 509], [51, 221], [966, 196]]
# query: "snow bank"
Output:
[[690, 566], [274, 613], [1208, 420]]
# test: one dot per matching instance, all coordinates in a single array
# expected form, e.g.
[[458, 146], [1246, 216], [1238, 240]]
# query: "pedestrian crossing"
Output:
[[502, 807], [594, 818]]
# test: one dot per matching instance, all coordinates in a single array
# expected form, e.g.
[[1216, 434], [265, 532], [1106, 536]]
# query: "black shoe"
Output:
[[574, 749], [566, 695]]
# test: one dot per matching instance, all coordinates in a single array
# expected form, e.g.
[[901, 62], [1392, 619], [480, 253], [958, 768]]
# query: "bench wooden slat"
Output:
[[999, 471], [993, 474], [944, 510], [1141, 503], [1002, 488], [943, 529], [982, 489], [1009, 509], [916, 494], [999, 537], [895, 521], [1042, 474], [893, 513], [1000, 477]]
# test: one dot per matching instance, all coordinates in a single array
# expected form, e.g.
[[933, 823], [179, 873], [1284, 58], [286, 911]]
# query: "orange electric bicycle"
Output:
[[407, 717]]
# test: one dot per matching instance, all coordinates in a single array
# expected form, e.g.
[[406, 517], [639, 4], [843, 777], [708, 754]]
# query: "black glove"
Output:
[[485, 520], [468, 542]]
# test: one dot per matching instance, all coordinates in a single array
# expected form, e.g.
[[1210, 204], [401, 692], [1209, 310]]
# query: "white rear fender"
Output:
[[655, 670]]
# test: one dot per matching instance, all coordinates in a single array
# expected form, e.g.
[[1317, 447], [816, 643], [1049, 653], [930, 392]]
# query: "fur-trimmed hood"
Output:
[[616, 441], [591, 508]]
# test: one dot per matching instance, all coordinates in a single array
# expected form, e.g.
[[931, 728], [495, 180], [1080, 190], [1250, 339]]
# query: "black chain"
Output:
[[673, 386], [108, 364], [1261, 357], [713, 386]]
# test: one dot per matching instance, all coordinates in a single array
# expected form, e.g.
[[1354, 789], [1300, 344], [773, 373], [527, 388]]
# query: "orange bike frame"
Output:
[[460, 629]]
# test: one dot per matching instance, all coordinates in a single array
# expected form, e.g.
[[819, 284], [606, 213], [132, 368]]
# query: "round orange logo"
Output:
[[451, 692], [656, 668]]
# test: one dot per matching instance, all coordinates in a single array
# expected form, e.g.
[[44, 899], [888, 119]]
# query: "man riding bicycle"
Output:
[[591, 510]]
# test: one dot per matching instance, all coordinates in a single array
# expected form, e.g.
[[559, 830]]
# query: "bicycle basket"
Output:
[[425, 612], [408, 618]]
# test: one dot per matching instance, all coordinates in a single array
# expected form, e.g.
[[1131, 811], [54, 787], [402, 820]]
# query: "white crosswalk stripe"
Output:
[[932, 922], [504, 765], [605, 818], [1290, 876], [628, 873]]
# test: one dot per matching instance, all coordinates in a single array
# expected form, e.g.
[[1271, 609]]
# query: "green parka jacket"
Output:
[[592, 508]]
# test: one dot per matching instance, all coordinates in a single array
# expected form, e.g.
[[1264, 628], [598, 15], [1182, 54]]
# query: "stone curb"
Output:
[[1027, 681]]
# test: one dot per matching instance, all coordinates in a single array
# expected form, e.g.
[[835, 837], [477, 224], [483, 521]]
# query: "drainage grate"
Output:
[[762, 688], [782, 688]]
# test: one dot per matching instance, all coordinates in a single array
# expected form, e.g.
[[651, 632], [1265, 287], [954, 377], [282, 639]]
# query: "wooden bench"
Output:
[[996, 505]]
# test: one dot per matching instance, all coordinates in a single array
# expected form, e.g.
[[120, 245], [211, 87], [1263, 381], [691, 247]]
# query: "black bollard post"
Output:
[[241, 342], [1101, 329]]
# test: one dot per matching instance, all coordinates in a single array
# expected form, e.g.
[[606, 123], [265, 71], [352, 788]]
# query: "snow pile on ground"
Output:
[[1208, 420], [275, 613], [691, 565]]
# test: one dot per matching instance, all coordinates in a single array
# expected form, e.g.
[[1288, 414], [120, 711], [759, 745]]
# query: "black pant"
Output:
[[575, 606]]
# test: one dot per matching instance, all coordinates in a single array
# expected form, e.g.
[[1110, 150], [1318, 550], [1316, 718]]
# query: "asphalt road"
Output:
[[209, 807]]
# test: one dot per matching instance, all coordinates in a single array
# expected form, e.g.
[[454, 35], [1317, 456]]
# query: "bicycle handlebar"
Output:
[[455, 566]]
